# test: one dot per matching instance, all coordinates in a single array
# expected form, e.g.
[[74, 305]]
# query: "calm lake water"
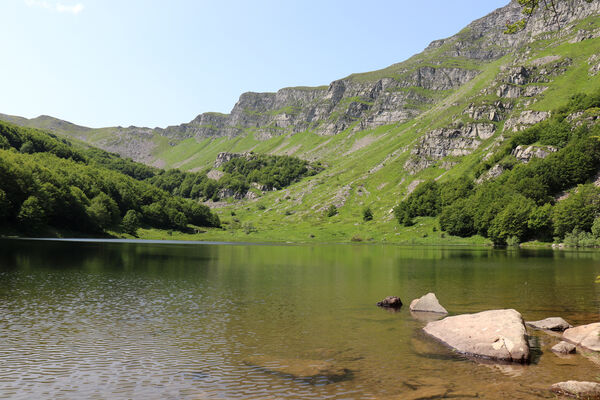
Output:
[[199, 321]]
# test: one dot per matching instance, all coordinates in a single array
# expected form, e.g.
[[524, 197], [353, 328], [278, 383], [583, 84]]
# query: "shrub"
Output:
[[131, 222], [331, 211], [367, 214]]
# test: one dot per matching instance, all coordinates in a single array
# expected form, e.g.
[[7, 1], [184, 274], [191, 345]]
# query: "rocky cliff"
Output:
[[392, 95]]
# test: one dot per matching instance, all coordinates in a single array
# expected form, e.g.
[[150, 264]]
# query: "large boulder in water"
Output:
[[427, 303], [496, 334], [580, 390], [587, 336], [550, 324], [390, 302]]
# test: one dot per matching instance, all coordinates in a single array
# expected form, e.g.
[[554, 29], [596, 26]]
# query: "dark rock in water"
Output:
[[550, 324], [299, 368], [496, 335], [564, 348], [390, 302], [580, 390], [428, 303]]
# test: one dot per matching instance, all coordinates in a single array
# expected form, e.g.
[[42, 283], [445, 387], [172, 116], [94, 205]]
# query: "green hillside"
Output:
[[48, 186], [454, 113]]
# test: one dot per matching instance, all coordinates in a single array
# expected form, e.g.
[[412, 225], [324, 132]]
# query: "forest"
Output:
[[47, 182], [546, 199]]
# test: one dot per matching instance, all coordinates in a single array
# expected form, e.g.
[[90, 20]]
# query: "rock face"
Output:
[[492, 173], [439, 143], [392, 95], [390, 302], [580, 390], [587, 336], [564, 348], [496, 334], [526, 119], [526, 153], [225, 157], [550, 324], [428, 303]]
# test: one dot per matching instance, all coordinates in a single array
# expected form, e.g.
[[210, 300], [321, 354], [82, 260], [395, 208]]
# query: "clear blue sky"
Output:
[[157, 63]]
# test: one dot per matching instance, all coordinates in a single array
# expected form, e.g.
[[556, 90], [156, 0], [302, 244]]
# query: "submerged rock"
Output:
[[550, 324], [580, 390], [496, 334], [390, 302], [587, 336], [428, 303], [564, 348], [299, 368]]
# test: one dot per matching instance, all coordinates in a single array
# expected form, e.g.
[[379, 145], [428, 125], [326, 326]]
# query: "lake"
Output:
[[201, 321]]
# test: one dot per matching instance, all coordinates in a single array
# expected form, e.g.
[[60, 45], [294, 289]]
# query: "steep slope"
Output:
[[434, 116]]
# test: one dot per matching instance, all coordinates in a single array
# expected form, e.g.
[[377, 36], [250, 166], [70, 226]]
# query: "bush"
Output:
[[331, 211], [457, 219], [131, 222], [367, 214], [578, 238], [32, 216], [512, 221], [512, 241], [578, 211]]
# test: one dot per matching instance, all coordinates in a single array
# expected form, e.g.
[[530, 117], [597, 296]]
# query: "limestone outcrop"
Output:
[[427, 303], [587, 336], [580, 390], [495, 334]]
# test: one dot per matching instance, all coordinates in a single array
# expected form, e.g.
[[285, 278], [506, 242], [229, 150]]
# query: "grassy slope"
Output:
[[372, 175], [297, 213]]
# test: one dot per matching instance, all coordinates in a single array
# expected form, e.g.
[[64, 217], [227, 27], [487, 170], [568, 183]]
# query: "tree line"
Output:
[[46, 181]]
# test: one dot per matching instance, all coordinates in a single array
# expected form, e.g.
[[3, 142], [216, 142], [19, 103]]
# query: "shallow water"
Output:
[[203, 321]]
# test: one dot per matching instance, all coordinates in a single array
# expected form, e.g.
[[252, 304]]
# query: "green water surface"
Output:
[[166, 320]]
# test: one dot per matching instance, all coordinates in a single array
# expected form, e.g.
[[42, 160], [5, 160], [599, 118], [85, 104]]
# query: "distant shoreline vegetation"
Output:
[[48, 183]]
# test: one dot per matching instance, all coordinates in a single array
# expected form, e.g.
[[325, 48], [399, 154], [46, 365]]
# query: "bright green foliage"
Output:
[[512, 241], [60, 186], [131, 222], [596, 228], [273, 172], [31, 215], [520, 203], [512, 221], [103, 211], [423, 201], [578, 211], [578, 238], [457, 219], [367, 214], [540, 222], [331, 211], [428, 199]]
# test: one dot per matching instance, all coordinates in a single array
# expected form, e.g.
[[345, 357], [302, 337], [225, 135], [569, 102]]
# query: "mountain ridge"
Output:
[[394, 94]]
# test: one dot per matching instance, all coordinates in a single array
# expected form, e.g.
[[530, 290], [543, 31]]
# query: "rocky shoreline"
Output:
[[501, 336]]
